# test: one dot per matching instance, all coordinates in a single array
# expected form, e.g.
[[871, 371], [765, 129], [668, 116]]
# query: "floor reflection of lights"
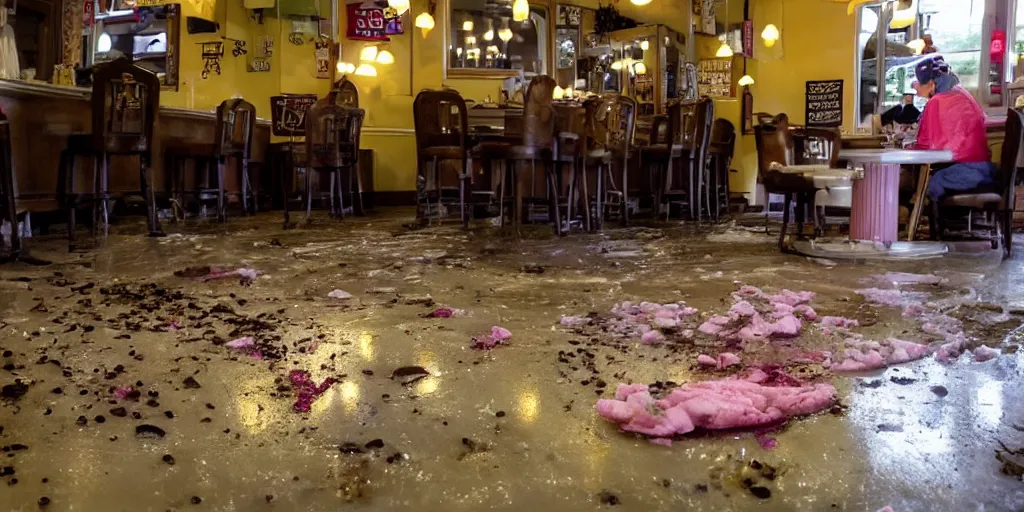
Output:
[[528, 405], [989, 402], [367, 348], [349, 391]]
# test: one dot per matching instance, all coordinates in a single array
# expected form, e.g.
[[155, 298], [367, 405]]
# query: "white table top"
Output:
[[895, 156]]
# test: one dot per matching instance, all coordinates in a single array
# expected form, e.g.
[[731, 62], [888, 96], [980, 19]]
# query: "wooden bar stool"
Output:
[[537, 144], [720, 152], [570, 129], [288, 119], [236, 119], [442, 127], [332, 146], [125, 103], [611, 122]]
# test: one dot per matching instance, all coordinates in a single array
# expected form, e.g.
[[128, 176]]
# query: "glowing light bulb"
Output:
[[467, 26], [505, 34], [385, 57], [368, 54], [489, 35], [399, 5], [365, 69], [424, 21], [520, 10], [746, 80], [640, 68], [558, 92], [470, 40], [103, 44], [724, 51], [644, 45], [770, 35], [568, 92], [617, 65], [639, 2]]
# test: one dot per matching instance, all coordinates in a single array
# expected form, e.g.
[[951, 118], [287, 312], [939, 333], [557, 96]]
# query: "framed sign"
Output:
[[714, 77], [824, 102], [748, 38], [366, 22], [288, 114]]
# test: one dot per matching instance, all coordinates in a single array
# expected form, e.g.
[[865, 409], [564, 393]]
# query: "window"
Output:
[[972, 36], [483, 39]]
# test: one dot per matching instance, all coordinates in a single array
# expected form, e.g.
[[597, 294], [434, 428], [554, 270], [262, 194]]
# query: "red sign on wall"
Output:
[[997, 49], [748, 38], [366, 22]]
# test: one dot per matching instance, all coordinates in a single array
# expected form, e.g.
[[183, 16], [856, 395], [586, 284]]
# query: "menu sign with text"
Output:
[[824, 103]]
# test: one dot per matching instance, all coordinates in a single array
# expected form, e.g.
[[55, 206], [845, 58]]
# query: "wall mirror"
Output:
[[483, 40], [149, 37]]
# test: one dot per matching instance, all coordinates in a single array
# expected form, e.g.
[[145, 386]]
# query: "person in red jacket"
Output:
[[954, 121]]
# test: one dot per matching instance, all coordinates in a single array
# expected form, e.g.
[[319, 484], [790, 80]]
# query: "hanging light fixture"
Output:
[[724, 51], [520, 10], [399, 5], [746, 80], [639, 2], [568, 92], [385, 57], [617, 65], [640, 68], [505, 34], [770, 35], [365, 69], [644, 45], [425, 21], [470, 40], [104, 43], [368, 54], [558, 92], [467, 25], [489, 35]]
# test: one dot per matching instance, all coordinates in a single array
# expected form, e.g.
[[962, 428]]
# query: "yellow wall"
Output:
[[817, 43], [292, 68]]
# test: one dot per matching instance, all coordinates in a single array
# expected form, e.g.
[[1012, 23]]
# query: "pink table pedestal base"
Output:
[[874, 213]]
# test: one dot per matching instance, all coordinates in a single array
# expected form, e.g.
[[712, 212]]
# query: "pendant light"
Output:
[[368, 54], [645, 45], [724, 51], [639, 2], [399, 6], [489, 35], [640, 68], [425, 21], [770, 35], [467, 25], [365, 69], [385, 57], [745, 80], [558, 92], [520, 10]]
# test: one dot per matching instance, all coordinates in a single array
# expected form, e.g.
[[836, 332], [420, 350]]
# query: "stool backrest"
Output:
[[611, 121], [236, 119], [539, 114], [440, 119], [570, 117], [125, 102], [723, 139], [774, 141], [816, 146], [693, 124], [332, 134], [345, 93], [1011, 152]]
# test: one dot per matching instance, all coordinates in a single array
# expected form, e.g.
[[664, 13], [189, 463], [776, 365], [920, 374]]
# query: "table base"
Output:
[[868, 250], [874, 214]]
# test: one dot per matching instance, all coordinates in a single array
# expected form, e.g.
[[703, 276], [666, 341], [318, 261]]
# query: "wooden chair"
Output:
[[442, 128], [125, 103], [332, 146], [537, 144], [570, 129], [345, 93], [611, 122], [996, 202], [689, 128], [236, 119]]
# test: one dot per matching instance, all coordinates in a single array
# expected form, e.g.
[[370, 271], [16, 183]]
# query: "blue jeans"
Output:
[[960, 177]]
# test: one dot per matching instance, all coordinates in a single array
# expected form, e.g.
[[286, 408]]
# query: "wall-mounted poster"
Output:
[[366, 22], [824, 103], [714, 77], [569, 15], [704, 16]]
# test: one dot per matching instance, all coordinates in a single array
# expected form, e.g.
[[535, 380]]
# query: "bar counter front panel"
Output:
[[42, 116]]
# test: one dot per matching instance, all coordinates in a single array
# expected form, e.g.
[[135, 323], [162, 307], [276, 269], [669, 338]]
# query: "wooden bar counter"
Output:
[[42, 116]]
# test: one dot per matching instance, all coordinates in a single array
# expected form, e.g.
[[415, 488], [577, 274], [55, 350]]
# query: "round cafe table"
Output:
[[874, 213]]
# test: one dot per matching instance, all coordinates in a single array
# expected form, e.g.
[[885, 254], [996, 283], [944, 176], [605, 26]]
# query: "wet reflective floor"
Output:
[[120, 392]]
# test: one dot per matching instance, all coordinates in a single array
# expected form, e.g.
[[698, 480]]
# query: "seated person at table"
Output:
[[904, 113], [954, 121]]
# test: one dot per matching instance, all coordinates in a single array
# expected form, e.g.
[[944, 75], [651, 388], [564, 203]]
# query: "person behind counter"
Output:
[[954, 121]]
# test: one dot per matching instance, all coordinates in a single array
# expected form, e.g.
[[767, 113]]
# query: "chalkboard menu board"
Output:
[[714, 77], [288, 114], [824, 103]]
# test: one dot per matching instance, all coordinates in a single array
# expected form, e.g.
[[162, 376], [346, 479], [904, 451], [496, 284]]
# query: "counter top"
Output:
[[26, 89]]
